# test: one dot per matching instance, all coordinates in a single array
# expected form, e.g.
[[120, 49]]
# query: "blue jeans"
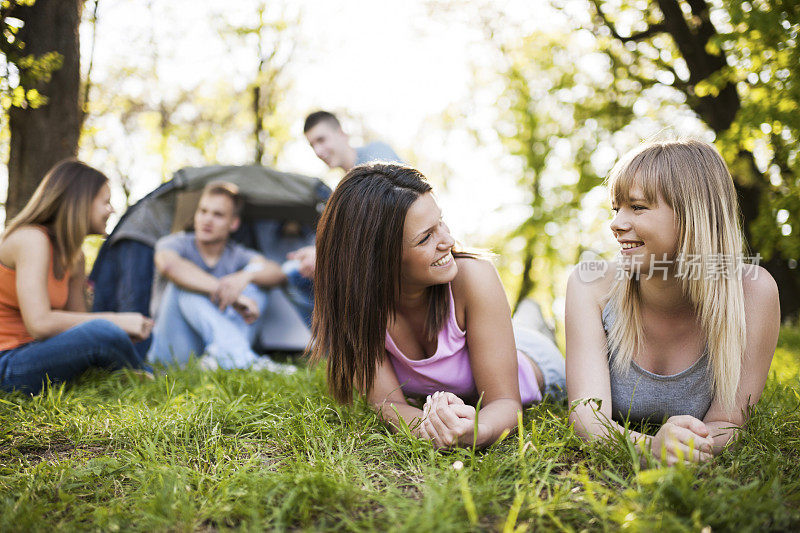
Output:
[[96, 343], [541, 350], [189, 323], [300, 290]]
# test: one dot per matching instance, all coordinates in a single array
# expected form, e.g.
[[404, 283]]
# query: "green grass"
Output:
[[237, 450]]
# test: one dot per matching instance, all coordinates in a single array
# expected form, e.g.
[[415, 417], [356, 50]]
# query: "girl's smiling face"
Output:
[[427, 244], [100, 211], [646, 231]]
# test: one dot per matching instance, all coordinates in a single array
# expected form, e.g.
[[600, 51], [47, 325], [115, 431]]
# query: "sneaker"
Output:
[[141, 374], [265, 362], [208, 363]]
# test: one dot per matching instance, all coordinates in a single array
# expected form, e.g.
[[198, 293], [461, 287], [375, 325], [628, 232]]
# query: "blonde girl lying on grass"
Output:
[[677, 329]]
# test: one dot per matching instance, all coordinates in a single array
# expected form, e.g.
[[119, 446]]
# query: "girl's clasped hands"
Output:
[[447, 421], [683, 438]]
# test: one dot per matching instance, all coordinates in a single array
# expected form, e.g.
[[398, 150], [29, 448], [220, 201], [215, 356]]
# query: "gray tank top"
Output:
[[641, 395]]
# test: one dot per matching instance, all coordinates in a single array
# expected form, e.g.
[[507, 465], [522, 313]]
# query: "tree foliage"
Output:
[[22, 72], [144, 122], [734, 64], [549, 109], [597, 86], [563, 117], [274, 30], [39, 89]]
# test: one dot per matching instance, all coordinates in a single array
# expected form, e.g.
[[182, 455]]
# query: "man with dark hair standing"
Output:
[[212, 297], [332, 144]]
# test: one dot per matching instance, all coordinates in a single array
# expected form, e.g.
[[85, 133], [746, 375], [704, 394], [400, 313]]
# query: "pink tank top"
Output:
[[449, 369]]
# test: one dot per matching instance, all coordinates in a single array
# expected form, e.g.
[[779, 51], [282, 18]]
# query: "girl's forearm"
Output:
[[495, 419], [722, 431], [397, 414], [56, 321], [593, 424]]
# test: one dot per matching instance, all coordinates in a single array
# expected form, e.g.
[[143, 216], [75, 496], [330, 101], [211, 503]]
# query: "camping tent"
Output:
[[280, 215]]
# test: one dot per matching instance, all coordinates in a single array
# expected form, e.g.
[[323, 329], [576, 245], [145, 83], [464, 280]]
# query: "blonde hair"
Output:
[[62, 204], [692, 178]]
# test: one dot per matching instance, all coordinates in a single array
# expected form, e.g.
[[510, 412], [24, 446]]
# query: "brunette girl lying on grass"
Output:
[[400, 313]]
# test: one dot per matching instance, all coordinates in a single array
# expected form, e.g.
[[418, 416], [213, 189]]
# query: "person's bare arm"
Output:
[[387, 398], [763, 315], [184, 273], [493, 353], [30, 249], [588, 378], [307, 259], [260, 271], [265, 273]]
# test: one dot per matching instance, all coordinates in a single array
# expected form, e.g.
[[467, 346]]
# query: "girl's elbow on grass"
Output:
[[583, 417], [580, 426]]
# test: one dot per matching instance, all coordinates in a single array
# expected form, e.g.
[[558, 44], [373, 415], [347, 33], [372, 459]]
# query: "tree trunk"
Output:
[[527, 285], [43, 136], [258, 130], [750, 202]]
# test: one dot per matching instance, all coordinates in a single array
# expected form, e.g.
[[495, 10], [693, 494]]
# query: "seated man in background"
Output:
[[212, 300]]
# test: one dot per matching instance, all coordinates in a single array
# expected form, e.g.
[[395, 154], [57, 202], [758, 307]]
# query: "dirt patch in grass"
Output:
[[409, 483], [269, 456], [55, 451]]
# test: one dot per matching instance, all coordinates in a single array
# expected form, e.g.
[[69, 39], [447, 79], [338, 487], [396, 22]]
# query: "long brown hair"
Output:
[[62, 204], [357, 274]]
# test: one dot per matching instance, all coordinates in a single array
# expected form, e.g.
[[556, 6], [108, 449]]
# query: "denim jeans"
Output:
[[96, 343], [121, 279], [541, 350], [190, 323], [300, 290]]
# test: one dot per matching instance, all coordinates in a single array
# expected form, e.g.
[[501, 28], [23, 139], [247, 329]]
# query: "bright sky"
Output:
[[387, 62], [393, 66]]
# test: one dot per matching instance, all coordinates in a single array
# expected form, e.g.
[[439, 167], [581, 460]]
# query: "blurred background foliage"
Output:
[[559, 103], [575, 101]]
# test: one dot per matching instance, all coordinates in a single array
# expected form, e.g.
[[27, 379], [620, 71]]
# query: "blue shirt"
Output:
[[376, 151], [233, 259]]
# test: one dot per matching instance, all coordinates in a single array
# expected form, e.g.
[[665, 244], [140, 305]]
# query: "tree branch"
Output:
[[652, 29], [699, 8]]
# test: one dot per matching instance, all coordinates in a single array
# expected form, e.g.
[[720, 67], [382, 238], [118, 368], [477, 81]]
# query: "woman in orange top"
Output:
[[45, 329]]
